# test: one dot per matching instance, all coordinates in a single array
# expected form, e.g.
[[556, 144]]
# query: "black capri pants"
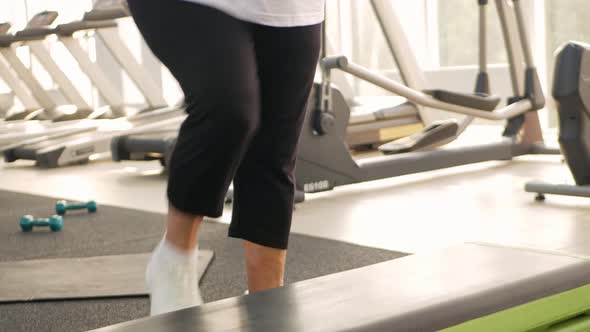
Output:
[[246, 88]]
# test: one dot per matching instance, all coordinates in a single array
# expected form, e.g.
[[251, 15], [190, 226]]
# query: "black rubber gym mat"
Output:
[[117, 231]]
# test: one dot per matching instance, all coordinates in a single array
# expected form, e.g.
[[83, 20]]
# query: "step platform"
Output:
[[469, 287], [79, 278]]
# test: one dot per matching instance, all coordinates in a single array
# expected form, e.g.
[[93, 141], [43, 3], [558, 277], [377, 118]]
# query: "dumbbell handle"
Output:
[[62, 206], [77, 206], [40, 222]]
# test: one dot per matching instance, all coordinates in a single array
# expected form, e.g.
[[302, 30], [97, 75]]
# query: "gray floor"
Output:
[[483, 202], [116, 231]]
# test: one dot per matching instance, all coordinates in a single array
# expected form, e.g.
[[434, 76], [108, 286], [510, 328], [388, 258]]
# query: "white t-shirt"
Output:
[[278, 13]]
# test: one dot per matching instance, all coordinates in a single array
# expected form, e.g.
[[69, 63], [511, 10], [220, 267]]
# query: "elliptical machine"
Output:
[[324, 161], [571, 91]]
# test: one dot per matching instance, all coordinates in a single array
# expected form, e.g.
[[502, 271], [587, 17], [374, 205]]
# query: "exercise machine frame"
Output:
[[571, 92], [324, 161]]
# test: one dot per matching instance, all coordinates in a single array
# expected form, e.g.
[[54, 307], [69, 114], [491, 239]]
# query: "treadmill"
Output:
[[103, 20], [37, 102], [29, 103], [38, 29], [40, 108], [84, 143]]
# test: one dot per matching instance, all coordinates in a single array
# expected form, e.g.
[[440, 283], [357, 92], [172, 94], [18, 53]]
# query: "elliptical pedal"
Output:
[[436, 134]]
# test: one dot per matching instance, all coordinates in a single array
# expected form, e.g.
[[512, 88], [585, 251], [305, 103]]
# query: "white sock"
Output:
[[172, 278]]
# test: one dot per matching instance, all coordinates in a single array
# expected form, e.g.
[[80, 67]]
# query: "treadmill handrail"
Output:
[[421, 98], [31, 34], [38, 28], [69, 29]]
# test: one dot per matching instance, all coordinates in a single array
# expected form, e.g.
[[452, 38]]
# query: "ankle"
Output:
[[182, 229], [264, 273], [180, 244]]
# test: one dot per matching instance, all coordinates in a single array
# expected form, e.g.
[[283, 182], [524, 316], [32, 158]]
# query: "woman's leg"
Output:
[[265, 266], [264, 184], [212, 56], [182, 229]]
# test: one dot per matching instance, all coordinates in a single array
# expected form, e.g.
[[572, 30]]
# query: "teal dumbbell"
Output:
[[62, 206], [55, 223]]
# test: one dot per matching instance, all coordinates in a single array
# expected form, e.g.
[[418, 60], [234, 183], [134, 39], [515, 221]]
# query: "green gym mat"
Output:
[[72, 278], [120, 231]]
